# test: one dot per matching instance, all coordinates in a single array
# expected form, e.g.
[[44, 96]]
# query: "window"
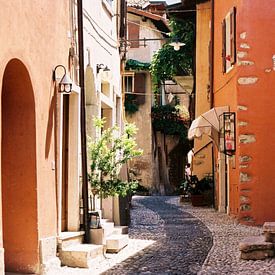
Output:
[[133, 34], [229, 40], [135, 83], [128, 83], [140, 87]]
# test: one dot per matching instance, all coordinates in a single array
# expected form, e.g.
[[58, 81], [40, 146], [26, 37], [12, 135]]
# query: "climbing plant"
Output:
[[130, 104], [170, 120], [107, 155], [167, 62]]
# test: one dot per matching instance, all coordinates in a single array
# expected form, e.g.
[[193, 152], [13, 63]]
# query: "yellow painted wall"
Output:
[[202, 162], [142, 118]]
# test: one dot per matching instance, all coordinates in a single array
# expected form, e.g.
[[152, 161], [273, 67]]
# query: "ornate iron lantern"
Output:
[[65, 85], [228, 133]]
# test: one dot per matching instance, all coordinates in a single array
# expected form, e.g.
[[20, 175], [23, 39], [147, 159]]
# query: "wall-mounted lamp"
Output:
[[176, 44], [228, 133], [65, 85], [101, 67]]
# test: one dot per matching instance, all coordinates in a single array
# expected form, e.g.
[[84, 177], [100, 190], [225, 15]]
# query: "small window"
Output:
[[133, 34], [140, 89], [128, 82], [135, 83], [229, 40]]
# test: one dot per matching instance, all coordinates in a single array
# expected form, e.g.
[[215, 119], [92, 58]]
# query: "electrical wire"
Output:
[[181, 11], [225, 84], [98, 42], [93, 23], [146, 27]]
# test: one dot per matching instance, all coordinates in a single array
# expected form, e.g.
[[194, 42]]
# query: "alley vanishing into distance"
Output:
[[169, 237], [181, 245], [103, 101]]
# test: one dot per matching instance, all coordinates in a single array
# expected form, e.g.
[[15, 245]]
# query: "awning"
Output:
[[208, 124]]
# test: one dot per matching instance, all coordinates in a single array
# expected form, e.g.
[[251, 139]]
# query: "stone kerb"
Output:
[[259, 247], [269, 231]]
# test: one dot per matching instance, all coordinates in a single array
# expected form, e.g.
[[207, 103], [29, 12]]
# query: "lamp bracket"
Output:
[[54, 71]]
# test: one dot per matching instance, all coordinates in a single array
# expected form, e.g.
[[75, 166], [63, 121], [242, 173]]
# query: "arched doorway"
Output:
[[18, 160]]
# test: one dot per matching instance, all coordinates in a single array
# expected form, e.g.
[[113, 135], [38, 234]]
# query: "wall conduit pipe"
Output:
[[85, 196]]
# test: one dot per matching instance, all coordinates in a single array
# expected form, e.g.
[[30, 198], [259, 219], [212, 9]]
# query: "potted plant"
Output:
[[107, 155], [196, 189]]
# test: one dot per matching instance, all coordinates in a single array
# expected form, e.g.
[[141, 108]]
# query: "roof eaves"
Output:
[[155, 18]]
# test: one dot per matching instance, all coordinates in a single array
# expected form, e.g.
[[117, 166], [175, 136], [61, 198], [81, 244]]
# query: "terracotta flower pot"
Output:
[[197, 200]]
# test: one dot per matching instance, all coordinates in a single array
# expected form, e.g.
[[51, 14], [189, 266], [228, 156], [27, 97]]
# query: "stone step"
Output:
[[97, 236], [256, 248], [108, 228], [269, 231], [115, 243], [81, 255], [105, 220], [66, 239], [121, 229]]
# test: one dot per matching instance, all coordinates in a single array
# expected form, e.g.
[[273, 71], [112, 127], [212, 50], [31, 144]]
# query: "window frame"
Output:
[[124, 76], [229, 41]]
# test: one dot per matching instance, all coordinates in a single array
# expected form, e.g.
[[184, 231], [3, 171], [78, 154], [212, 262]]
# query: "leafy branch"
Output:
[[107, 156], [167, 62]]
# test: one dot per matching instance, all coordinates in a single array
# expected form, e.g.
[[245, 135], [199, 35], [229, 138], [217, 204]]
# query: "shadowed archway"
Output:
[[18, 159]]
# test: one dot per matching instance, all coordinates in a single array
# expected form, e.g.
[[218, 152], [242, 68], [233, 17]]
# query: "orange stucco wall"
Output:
[[18, 171], [252, 196], [35, 32]]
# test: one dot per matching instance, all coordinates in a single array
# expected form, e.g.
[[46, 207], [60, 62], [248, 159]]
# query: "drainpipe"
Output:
[[212, 57], [83, 123], [212, 93]]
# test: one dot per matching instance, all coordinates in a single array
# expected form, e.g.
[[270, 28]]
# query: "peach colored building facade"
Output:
[[34, 39], [243, 79]]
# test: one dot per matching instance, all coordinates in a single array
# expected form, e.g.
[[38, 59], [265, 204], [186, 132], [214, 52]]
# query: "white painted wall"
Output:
[[147, 30], [101, 47], [100, 37]]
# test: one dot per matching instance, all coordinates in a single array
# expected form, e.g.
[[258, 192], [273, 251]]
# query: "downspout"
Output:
[[83, 123], [212, 57], [213, 173], [212, 93]]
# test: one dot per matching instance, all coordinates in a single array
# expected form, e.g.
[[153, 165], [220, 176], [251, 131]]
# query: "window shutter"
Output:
[[133, 34], [140, 87], [233, 35], [224, 46]]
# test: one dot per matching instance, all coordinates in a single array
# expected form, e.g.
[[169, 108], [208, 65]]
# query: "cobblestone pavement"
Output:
[[168, 238], [181, 245], [224, 257]]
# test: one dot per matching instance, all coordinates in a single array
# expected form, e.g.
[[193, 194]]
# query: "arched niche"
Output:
[[18, 170]]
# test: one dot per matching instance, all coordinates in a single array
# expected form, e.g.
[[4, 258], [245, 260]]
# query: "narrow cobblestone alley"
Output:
[[182, 241], [169, 238]]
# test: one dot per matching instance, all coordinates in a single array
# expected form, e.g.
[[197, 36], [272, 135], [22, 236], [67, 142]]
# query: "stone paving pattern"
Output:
[[224, 257], [182, 242], [176, 240]]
